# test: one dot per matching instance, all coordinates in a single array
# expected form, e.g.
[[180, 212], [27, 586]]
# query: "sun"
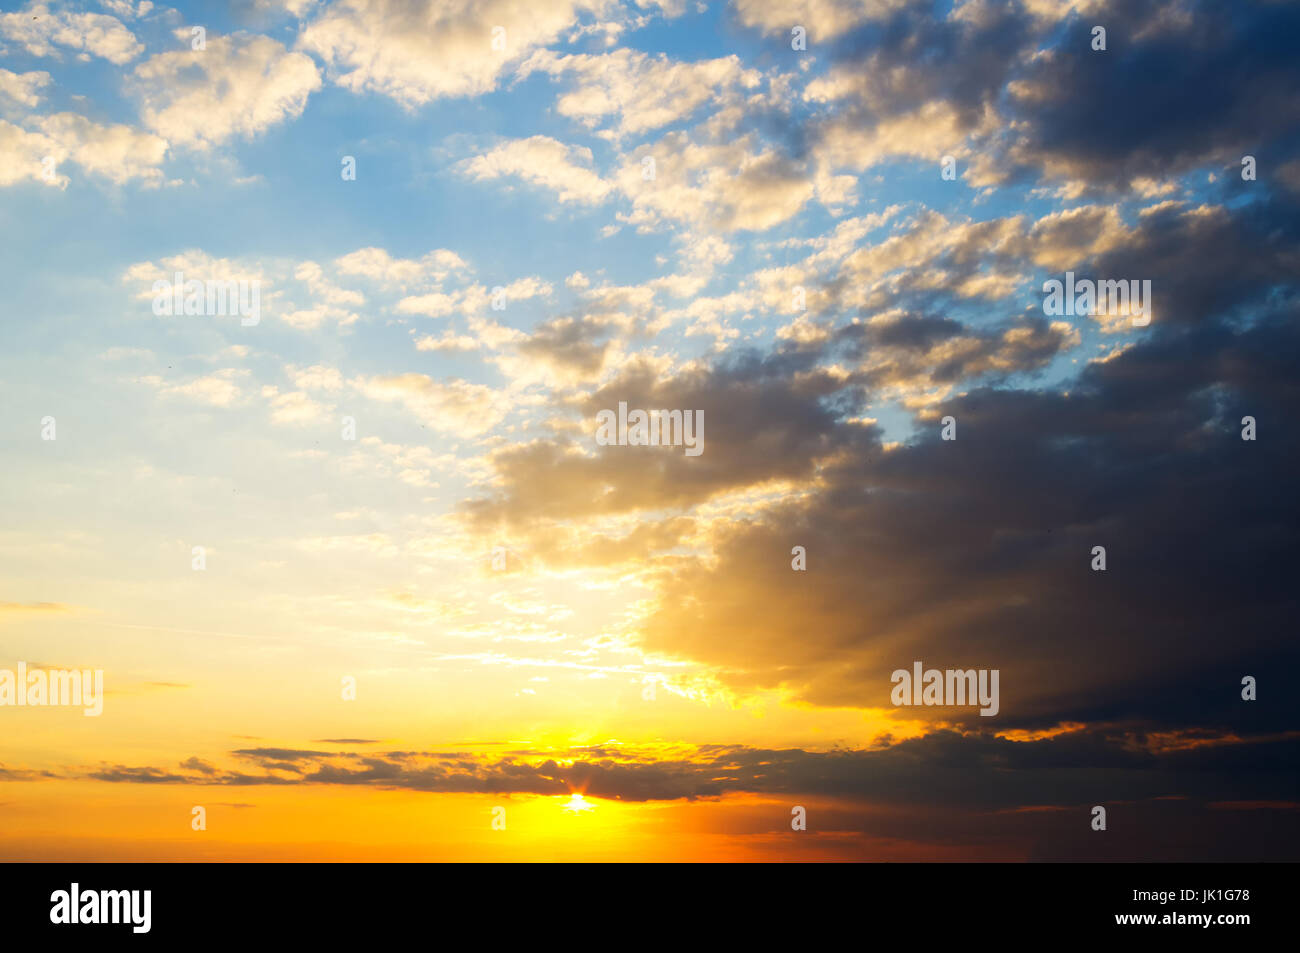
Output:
[[577, 804]]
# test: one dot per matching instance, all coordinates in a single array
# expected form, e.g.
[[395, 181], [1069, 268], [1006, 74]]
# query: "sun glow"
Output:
[[577, 804]]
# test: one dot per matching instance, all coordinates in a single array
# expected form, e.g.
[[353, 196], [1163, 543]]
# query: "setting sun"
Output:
[[578, 804]]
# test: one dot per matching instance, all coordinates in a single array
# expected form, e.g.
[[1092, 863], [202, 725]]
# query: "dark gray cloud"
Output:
[[763, 419], [1180, 83], [145, 775], [572, 343], [923, 351], [976, 552], [942, 769], [1209, 264], [278, 754]]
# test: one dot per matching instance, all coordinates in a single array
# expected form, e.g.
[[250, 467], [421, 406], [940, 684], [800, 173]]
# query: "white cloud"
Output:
[[415, 51], [40, 31], [301, 294], [931, 131], [435, 305], [636, 91], [216, 390], [316, 378], [723, 186], [453, 406], [22, 87], [543, 161], [193, 264], [294, 407], [823, 19], [126, 9], [239, 85], [22, 154], [118, 153], [471, 301], [376, 264]]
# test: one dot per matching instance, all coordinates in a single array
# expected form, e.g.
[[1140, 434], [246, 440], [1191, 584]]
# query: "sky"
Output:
[[365, 581]]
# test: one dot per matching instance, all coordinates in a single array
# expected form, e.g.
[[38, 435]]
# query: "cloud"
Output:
[[193, 264], [931, 132], [764, 420], [281, 286], [635, 91], [1217, 83], [376, 264], [722, 186], [23, 88], [976, 552], [39, 31], [127, 9], [921, 359], [294, 407], [23, 155], [1196, 796], [316, 378], [452, 406], [542, 161], [570, 344], [118, 153], [239, 86], [823, 19], [415, 51], [1027, 97], [220, 389], [946, 770], [132, 775], [1065, 240]]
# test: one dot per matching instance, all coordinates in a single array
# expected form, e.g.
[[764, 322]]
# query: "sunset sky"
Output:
[[682, 212]]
